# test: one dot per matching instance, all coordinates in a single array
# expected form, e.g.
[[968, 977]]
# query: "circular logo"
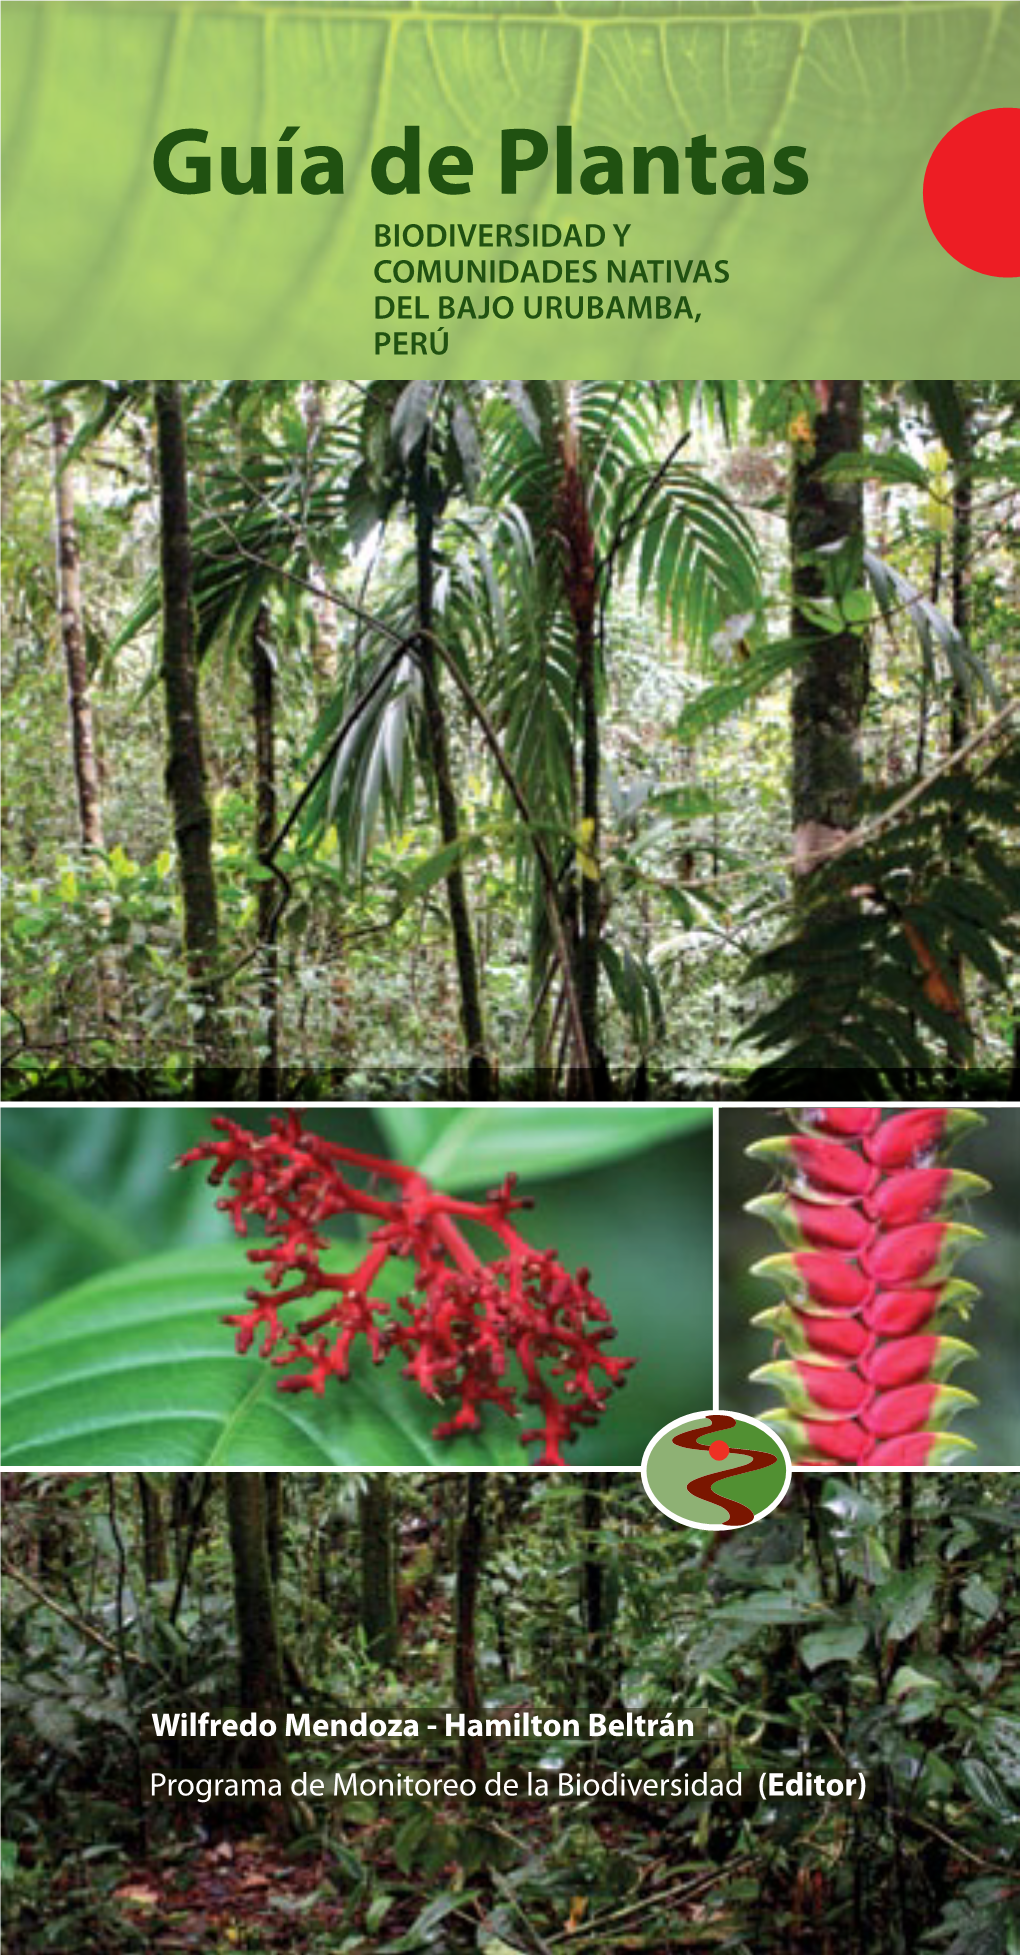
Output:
[[715, 1469], [972, 192]]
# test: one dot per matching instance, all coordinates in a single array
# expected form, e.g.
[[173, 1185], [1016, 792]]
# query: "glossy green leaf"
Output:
[[477, 1146], [839, 1644], [905, 1602], [135, 1369]]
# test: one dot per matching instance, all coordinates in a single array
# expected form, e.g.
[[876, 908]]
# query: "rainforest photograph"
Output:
[[511, 1714], [510, 740]]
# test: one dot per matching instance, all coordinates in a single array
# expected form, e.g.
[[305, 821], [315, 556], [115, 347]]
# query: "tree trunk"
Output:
[[260, 1662], [962, 546], [274, 1524], [465, 1673], [906, 1549], [378, 1584], [185, 773], [579, 573], [592, 1592], [479, 1069], [265, 830], [79, 703], [312, 403], [155, 1560], [832, 683]]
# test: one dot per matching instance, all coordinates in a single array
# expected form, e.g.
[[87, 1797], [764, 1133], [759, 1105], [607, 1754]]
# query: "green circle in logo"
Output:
[[715, 1470]]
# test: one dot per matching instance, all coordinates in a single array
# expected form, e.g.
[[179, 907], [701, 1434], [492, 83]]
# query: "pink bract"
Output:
[[867, 1283]]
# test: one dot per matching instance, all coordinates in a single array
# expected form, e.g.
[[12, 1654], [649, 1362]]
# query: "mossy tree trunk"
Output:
[[72, 635], [832, 683], [593, 1595], [155, 1546], [470, 1547], [479, 1067], [79, 700], [274, 1524], [185, 772], [580, 577], [262, 686], [378, 1580], [260, 1660]]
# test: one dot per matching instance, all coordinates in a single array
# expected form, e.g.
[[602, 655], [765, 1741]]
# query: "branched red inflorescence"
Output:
[[464, 1316], [868, 1284]]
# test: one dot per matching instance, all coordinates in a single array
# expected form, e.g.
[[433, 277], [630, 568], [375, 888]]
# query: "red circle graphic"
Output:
[[972, 192]]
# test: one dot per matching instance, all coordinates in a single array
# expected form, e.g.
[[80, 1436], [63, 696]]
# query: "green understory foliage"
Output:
[[872, 974]]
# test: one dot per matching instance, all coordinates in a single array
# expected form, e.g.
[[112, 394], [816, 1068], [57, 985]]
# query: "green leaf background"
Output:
[[106, 272], [117, 1273]]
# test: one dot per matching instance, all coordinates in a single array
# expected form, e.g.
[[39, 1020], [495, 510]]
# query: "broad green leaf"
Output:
[[770, 1608], [905, 1602], [834, 1645], [906, 1679], [1000, 1742], [135, 1369], [411, 1130], [37, 1190], [478, 1146], [984, 1786], [980, 1599]]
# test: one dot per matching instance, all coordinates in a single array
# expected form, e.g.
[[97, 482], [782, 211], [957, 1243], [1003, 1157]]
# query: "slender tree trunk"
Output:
[[155, 1560], [79, 702], [185, 774], [592, 1591], [378, 1584], [907, 1541], [189, 1497], [465, 1672], [479, 1070], [832, 686], [312, 401], [260, 1661], [959, 717], [579, 573], [265, 829], [962, 545]]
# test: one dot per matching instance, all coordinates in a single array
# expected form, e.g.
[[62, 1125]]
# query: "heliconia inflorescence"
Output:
[[867, 1284], [464, 1315]]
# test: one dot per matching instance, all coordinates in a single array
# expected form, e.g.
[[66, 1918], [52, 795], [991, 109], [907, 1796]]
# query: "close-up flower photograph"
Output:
[[870, 1282], [387, 1287]]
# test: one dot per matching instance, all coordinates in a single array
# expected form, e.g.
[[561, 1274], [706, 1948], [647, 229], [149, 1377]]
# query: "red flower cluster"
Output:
[[464, 1316], [867, 1284]]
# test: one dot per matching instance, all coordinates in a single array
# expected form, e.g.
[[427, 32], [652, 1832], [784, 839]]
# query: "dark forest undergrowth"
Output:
[[870, 1625]]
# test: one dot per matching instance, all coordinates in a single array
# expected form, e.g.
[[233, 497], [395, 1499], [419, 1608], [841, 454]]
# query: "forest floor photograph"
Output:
[[511, 1714], [595, 740]]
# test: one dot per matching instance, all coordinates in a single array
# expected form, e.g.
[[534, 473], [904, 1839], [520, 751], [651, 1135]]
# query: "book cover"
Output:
[[481, 698]]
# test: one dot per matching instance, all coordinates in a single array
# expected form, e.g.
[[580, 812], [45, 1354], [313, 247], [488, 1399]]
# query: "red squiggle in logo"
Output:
[[737, 1515]]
